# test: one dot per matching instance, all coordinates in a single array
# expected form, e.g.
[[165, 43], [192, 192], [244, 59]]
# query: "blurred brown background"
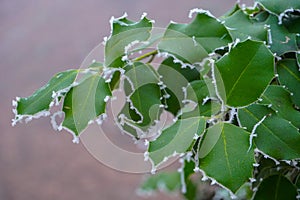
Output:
[[37, 40]]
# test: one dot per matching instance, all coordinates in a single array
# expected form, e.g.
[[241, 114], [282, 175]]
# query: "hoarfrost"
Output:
[[255, 164], [196, 136], [175, 59], [117, 20], [144, 15], [106, 99], [194, 41], [214, 81], [105, 39], [253, 134], [101, 118], [252, 180], [146, 156], [201, 11], [127, 51], [284, 14], [270, 41], [56, 95], [182, 178], [54, 124], [146, 143], [232, 113]]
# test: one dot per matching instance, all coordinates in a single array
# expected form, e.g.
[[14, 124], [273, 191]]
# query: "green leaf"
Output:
[[289, 75], [163, 181], [276, 187], [141, 113], [203, 93], [41, 99], [187, 73], [124, 32], [241, 26], [267, 167], [172, 75], [279, 6], [276, 137], [281, 41], [230, 12], [249, 116], [192, 42], [279, 100], [292, 22], [273, 140], [244, 73], [177, 138], [143, 98], [84, 103], [146, 99], [224, 155], [139, 74]]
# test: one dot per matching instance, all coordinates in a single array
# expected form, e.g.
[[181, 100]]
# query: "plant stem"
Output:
[[151, 53]]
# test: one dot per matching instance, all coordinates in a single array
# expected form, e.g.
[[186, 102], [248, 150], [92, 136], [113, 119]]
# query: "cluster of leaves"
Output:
[[231, 83]]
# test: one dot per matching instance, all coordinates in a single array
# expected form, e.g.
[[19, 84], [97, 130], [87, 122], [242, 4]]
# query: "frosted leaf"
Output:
[[175, 59], [117, 20], [28, 118], [56, 95], [266, 156]]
